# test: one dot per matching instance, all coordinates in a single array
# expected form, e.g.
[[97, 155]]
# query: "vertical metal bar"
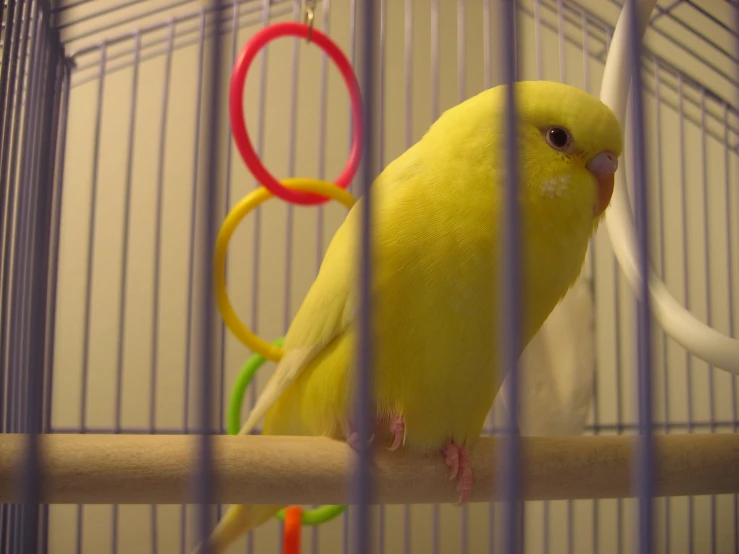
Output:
[[461, 52], [91, 232], [320, 220], [644, 464], [292, 131], [30, 257], [436, 515], [563, 78], [707, 260], [256, 241], [90, 259], [226, 203], [8, 199], [46, 165], [10, 120], [345, 534], [58, 151], [561, 39], [570, 527], [352, 59], [18, 257], [686, 288], [204, 474], [9, 32], [545, 509], [619, 391], [732, 328], [191, 271], [20, 248], [511, 298], [408, 51], [158, 211], [593, 275], [11, 109], [488, 83], [322, 104], [461, 93], [39, 352], [487, 47], [18, 282], [684, 209], [537, 40], [662, 264], [352, 186], [730, 298], [364, 390], [381, 163], [193, 215], [709, 311], [619, 367], [514, 28], [124, 263], [586, 52], [382, 31], [289, 227], [29, 273], [15, 24], [46, 224], [9, 216], [434, 59]]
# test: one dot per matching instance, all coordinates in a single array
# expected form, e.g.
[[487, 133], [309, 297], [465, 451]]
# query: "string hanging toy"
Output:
[[300, 191]]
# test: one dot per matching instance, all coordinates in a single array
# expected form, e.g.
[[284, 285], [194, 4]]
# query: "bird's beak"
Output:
[[603, 166]]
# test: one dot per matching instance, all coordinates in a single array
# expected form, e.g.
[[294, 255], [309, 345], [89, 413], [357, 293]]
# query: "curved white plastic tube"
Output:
[[706, 343]]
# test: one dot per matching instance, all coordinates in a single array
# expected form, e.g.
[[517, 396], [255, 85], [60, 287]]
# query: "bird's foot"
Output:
[[397, 428], [352, 438], [458, 460]]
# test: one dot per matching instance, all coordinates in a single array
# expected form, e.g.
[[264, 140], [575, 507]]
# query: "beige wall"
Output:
[[135, 532]]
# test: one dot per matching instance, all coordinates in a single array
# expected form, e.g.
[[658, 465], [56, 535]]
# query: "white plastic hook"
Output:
[[702, 341]]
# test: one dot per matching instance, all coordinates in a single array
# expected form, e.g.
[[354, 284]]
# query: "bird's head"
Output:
[[570, 148]]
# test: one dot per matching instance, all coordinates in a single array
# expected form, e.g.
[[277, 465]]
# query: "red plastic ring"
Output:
[[238, 124]]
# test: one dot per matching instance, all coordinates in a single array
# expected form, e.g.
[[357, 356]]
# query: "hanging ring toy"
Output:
[[291, 542], [238, 123], [239, 212], [316, 516]]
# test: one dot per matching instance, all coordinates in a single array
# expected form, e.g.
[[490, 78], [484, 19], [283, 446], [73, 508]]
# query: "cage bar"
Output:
[[40, 72]]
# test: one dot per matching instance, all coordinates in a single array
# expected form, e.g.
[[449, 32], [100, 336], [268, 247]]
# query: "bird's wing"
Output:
[[326, 312]]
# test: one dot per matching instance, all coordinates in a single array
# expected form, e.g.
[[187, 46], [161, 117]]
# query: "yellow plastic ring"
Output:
[[239, 212]]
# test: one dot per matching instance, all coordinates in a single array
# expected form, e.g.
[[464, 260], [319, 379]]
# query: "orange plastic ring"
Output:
[[291, 543]]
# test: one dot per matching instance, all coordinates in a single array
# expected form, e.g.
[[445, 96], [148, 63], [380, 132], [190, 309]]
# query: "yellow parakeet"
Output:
[[436, 240]]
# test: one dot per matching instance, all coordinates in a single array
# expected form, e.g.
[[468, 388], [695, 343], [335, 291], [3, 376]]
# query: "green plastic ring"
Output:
[[316, 516]]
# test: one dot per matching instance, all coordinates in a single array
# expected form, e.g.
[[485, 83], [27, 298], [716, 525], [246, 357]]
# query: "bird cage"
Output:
[[125, 362]]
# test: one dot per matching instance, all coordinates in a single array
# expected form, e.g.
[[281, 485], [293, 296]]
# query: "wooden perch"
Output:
[[156, 469]]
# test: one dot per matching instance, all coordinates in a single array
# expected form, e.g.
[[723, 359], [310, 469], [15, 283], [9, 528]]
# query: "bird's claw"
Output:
[[451, 455], [353, 440], [458, 460], [397, 427]]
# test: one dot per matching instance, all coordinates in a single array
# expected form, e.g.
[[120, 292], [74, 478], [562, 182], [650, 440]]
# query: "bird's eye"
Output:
[[558, 138]]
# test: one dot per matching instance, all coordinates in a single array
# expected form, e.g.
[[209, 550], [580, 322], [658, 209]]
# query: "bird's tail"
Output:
[[238, 520]]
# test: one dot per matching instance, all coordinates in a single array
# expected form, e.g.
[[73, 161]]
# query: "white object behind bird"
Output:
[[558, 368]]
